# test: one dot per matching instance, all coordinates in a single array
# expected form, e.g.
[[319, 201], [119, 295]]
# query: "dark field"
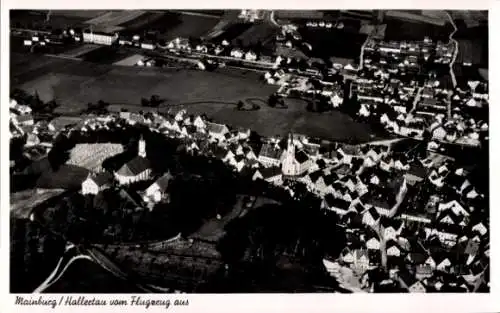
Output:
[[106, 55], [233, 31], [170, 25], [404, 30], [331, 42], [260, 32], [31, 19]]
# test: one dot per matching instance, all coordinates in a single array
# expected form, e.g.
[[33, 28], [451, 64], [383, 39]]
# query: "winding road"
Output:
[[455, 52]]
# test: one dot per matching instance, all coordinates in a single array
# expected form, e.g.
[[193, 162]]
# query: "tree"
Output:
[[144, 102], [272, 100], [240, 105], [154, 100]]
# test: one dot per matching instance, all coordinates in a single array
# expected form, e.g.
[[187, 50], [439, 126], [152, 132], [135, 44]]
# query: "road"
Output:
[[455, 53], [362, 53], [272, 19], [64, 263], [417, 99]]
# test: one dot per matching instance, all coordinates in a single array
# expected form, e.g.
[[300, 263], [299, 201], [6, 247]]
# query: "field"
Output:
[[331, 42], [65, 177], [37, 20], [437, 17], [405, 30], [471, 18], [80, 50], [24, 201], [233, 31], [171, 25], [191, 26], [115, 18], [106, 55], [86, 14], [471, 51], [76, 83], [91, 156], [261, 32]]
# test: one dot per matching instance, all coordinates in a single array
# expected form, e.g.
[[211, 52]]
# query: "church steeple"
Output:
[[142, 147], [290, 147], [289, 164]]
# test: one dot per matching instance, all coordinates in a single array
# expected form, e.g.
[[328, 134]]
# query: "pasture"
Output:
[[74, 84], [31, 19], [170, 25]]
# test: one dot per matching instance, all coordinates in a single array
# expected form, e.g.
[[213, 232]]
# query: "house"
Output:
[[416, 258], [444, 264], [480, 228], [450, 218], [439, 133], [386, 164], [96, 183], [391, 228], [373, 243], [430, 262], [32, 140], [423, 271], [454, 206], [217, 131], [347, 256], [436, 179], [158, 190], [361, 261], [339, 206], [379, 200], [371, 217], [269, 174], [199, 123], [418, 286], [100, 37], [393, 248], [269, 155], [137, 169], [24, 120], [238, 162]]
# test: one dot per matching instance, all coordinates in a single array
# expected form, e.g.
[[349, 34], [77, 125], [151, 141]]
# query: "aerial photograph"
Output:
[[249, 151]]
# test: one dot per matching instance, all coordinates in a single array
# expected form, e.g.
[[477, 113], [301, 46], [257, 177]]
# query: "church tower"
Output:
[[288, 166], [142, 147]]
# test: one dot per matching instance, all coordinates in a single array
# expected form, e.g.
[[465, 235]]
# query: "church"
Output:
[[137, 169], [294, 163]]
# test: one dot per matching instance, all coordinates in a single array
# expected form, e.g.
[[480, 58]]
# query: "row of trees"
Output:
[[154, 101], [34, 102]]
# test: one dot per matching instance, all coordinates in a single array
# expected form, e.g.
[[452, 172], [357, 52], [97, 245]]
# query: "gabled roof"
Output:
[[392, 243], [163, 181], [417, 258], [373, 212], [359, 207], [24, 118], [270, 151], [134, 167], [359, 253], [301, 157], [314, 176], [101, 179], [270, 172], [407, 278], [216, 128], [333, 202]]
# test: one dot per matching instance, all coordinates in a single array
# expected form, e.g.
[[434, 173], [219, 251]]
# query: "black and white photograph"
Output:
[[237, 151]]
